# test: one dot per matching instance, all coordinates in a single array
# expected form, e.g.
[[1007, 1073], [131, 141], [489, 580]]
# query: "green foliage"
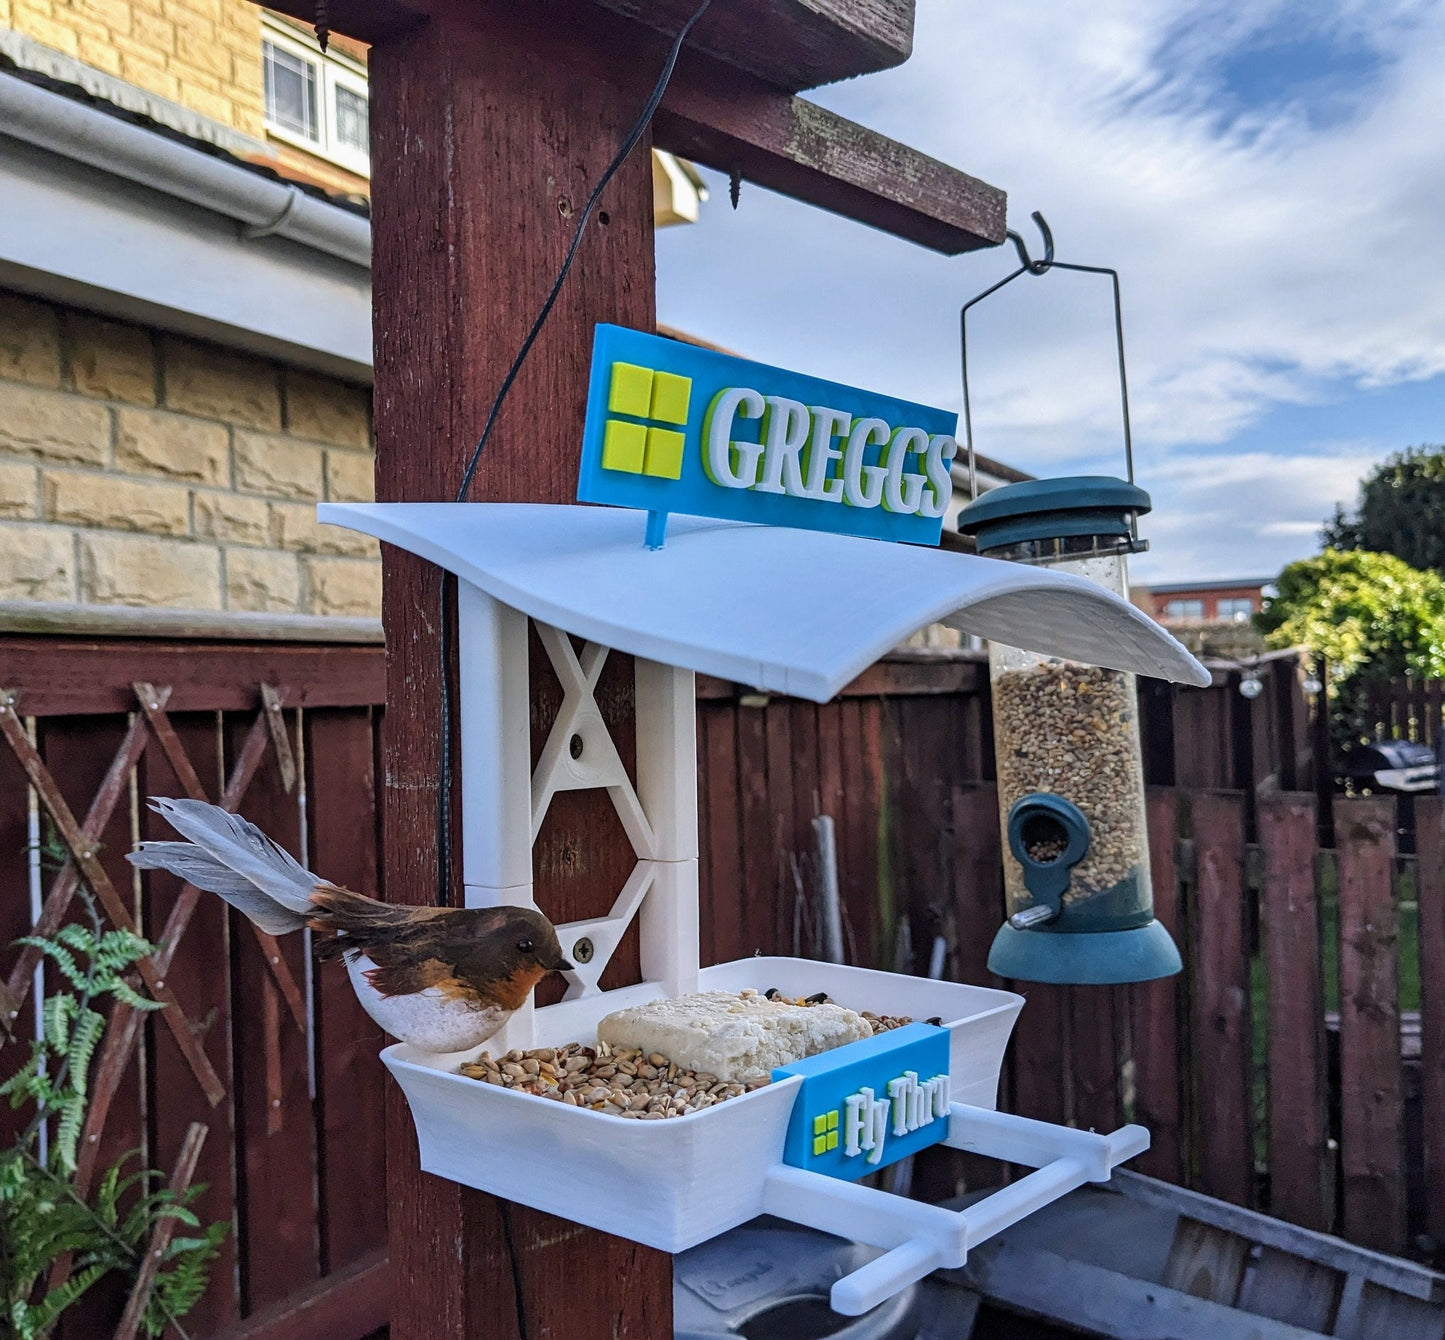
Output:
[[42, 1217], [1371, 615], [1401, 510]]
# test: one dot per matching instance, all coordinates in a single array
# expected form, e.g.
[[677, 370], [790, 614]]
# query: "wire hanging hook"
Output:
[[1027, 265], [1032, 266]]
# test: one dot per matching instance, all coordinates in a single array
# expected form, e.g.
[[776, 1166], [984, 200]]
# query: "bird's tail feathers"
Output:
[[232, 857], [354, 917]]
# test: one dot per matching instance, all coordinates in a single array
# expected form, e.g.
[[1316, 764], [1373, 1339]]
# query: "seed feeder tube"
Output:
[[1066, 738]]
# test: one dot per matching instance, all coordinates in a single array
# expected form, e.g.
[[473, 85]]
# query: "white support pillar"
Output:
[[667, 787], [496, 766]]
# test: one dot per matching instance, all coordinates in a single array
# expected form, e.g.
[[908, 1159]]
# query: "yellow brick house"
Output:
[[185, 333]]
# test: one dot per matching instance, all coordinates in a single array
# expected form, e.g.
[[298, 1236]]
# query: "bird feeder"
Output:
[[785, 610], [1066, 731]]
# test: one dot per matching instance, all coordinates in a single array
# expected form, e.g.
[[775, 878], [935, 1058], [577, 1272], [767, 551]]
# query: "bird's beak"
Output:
[[562, 965]]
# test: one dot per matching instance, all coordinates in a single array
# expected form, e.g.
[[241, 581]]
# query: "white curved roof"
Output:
[[792, 611]]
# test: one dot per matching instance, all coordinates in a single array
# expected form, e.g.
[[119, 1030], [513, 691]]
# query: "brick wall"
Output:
[[203, 54], [148, 470]]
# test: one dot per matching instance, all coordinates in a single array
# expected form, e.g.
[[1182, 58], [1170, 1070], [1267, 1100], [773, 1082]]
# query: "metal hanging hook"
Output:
[[1027, 265], [1032, 266]]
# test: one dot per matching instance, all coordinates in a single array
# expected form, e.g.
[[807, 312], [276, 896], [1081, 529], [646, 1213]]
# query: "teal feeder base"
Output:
[[1084, 958]]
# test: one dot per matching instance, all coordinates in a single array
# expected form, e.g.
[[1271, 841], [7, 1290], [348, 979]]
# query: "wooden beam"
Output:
[[484, 148], [732, 119], [729, 121], [348, 1304], [794, 44]]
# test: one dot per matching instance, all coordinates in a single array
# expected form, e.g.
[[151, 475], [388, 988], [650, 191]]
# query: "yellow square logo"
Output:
[[631, 390], [670, 397], [624, 446], [664, 454]]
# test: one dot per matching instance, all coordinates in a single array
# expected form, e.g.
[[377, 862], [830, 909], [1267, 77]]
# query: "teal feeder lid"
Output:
[[1052, 509]]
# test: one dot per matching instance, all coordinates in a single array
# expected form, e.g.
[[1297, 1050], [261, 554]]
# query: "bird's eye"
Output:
[[525, 946]]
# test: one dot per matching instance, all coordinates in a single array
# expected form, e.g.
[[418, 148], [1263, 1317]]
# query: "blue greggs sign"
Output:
[[870, 1103], [675, 428]]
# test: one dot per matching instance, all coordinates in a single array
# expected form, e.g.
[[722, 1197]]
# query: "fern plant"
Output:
[[42, 1215]]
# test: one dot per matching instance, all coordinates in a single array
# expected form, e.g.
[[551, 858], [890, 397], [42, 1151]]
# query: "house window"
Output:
[[1184, 609], [1238, 608], [317, 102]]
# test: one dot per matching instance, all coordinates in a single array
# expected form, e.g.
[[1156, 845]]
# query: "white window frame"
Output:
[[333, 71]]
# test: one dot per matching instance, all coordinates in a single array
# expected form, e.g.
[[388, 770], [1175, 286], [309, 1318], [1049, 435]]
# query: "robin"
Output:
[[441, 978]]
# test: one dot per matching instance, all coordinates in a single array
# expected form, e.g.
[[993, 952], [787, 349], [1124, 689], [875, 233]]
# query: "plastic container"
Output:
[[669, 1184]]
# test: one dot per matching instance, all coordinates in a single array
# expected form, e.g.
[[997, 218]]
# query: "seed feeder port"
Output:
[[784, 611]]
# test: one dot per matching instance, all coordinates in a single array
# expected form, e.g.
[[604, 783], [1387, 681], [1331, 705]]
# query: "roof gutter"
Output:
[[266, 208]]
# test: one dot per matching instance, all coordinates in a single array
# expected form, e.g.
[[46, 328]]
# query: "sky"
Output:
[[1267, 176]]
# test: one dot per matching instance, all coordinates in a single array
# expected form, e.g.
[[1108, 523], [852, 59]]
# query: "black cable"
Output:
[[516, 1267], [629, 143]]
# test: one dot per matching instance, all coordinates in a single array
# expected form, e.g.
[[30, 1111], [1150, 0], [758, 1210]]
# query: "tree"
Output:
[[1372, 616], [1401, 510]]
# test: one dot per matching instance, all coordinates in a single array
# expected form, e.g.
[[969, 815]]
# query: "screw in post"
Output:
[[582, 951]]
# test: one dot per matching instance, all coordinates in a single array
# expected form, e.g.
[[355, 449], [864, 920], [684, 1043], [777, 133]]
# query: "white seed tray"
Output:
[[669, 1184]]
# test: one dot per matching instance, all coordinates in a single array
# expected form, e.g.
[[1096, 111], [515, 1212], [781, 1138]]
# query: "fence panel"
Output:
[[1371, 1111], [1301, 1183], [1219, 984], [179, 717]]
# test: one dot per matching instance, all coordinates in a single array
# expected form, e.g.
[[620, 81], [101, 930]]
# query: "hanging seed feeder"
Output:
[[1066, 732]]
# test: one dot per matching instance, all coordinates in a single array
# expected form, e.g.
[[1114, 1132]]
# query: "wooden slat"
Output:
[[1040, 1075], [161, 1235], [1155, 1008], [344, 823], [1221, 1018], [82, 676], [954, 673], [724, 901], [277, 1165], [195, 933], [1371, 1127], [1206, 1262], [806, 798], [1094, 1056], [863, 799], [58, 898], [1430, 871], [758, 883], [1301, 1183], [784, 841], [76, 753], [977, 879], [349, 1304]]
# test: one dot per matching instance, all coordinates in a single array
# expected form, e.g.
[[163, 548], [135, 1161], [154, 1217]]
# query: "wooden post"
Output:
[[486, 144]]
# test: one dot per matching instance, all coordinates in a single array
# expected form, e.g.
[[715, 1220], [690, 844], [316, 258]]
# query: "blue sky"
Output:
[[1268, 178]]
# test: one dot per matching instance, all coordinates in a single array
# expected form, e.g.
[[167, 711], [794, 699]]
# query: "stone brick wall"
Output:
[[144, 469], [203, 54]]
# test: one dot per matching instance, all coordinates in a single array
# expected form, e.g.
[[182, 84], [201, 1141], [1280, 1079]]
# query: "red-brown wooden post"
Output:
[[486, 145]]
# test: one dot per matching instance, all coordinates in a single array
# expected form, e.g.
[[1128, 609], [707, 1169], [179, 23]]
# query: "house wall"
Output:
[[203, 54], [144, 469]]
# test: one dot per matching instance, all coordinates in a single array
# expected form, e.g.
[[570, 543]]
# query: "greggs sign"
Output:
[[675, 428]]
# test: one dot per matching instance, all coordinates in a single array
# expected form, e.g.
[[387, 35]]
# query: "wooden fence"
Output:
[[902, 760], [1408, 709], [281, 1068]]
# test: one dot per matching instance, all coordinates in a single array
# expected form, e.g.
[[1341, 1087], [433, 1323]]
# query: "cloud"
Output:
[[1274, 225]]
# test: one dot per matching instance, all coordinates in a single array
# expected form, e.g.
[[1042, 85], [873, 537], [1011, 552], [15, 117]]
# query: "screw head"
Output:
[[575, 746], [583, 950]]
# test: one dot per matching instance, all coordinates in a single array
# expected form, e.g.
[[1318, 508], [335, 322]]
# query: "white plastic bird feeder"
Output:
[[791, 611]]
